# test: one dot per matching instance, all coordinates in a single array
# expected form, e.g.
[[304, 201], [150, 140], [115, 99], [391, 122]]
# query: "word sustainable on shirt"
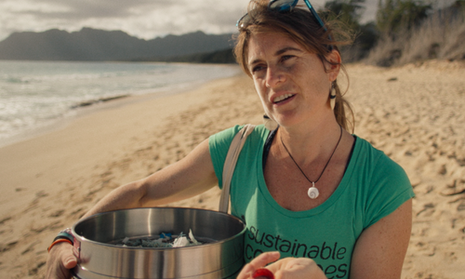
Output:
[[330, 257]]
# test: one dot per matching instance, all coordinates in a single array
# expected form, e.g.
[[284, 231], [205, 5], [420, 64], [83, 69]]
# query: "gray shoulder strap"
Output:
[[230, 163]]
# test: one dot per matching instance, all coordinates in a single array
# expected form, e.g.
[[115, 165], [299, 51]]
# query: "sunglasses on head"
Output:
[[282, 6]]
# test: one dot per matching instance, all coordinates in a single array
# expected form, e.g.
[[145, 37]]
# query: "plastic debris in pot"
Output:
[[165, 240]]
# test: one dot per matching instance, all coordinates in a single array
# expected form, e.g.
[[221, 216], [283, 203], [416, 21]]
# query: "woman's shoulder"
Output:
[[227, 135], [220, 143], [367, 149], [375, 159], [383, 183]]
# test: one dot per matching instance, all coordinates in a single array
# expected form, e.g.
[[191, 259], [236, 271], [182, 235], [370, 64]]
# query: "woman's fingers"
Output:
[[59, 262], [259, 262], [265, 258], [292, 268], [68, 259]]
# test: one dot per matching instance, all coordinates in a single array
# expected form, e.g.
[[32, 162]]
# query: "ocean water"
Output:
[[37, 94]]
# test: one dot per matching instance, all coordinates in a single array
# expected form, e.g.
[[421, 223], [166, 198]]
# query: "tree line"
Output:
[[396, 21]]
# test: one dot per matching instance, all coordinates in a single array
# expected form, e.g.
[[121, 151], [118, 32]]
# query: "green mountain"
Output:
[[99, 45]]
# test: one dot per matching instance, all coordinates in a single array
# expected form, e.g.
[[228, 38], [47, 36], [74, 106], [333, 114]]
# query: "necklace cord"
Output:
[[327, 163]]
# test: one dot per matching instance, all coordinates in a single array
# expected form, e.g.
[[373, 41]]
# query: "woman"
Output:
[[327, 201]]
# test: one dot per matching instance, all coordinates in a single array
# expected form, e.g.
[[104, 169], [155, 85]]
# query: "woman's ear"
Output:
[[333, 64]]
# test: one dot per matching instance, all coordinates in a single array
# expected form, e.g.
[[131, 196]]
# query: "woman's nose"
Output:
[[273, 76]]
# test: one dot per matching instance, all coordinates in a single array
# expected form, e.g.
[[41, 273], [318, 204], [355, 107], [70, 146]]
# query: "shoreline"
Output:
[[414, 113], [85, 105], [80, 127]]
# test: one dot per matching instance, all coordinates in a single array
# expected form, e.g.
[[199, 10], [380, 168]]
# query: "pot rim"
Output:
[[86, 240]]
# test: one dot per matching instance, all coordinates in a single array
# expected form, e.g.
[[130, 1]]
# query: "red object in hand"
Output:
[[263, 272]]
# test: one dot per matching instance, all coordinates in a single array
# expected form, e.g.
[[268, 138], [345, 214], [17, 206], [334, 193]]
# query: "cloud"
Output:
[[85, 9], [142, 18]]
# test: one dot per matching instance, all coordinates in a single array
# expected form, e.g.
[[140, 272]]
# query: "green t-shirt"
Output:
[[373, 186]]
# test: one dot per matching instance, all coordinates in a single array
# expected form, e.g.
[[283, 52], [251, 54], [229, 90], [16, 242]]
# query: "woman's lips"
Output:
[[282, 98]]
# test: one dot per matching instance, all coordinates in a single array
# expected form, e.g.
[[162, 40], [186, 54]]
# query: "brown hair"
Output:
[[301, 27]]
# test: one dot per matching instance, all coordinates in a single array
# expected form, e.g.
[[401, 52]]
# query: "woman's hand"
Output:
[[59, 261], [259, 262], [286, 268]]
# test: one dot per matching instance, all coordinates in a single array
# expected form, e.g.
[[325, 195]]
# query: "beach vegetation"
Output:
[[395, 16], [414, 31], [404, 31], [349, 14]]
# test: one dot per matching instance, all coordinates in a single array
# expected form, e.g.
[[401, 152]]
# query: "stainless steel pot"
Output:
[[98, 259]]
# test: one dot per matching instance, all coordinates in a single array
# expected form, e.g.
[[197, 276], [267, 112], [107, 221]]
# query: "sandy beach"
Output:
[[414, 113]]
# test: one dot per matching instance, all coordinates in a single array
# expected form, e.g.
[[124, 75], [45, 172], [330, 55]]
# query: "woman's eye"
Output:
[[286, 57], [257, 68]]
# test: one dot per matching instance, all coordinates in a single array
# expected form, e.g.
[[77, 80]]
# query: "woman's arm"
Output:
[[186, 178], [192, 175], [381, 248]]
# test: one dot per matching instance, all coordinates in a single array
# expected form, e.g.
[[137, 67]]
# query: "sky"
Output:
[[145, 19]]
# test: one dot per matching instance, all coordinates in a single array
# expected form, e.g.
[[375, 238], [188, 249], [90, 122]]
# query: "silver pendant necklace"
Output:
[[313, 192]]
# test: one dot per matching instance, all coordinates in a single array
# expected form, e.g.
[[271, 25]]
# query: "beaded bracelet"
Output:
[[63, 236], [58, 241]]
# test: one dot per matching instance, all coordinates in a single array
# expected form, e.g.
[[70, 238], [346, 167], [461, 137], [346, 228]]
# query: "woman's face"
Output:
[[292, 83]]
